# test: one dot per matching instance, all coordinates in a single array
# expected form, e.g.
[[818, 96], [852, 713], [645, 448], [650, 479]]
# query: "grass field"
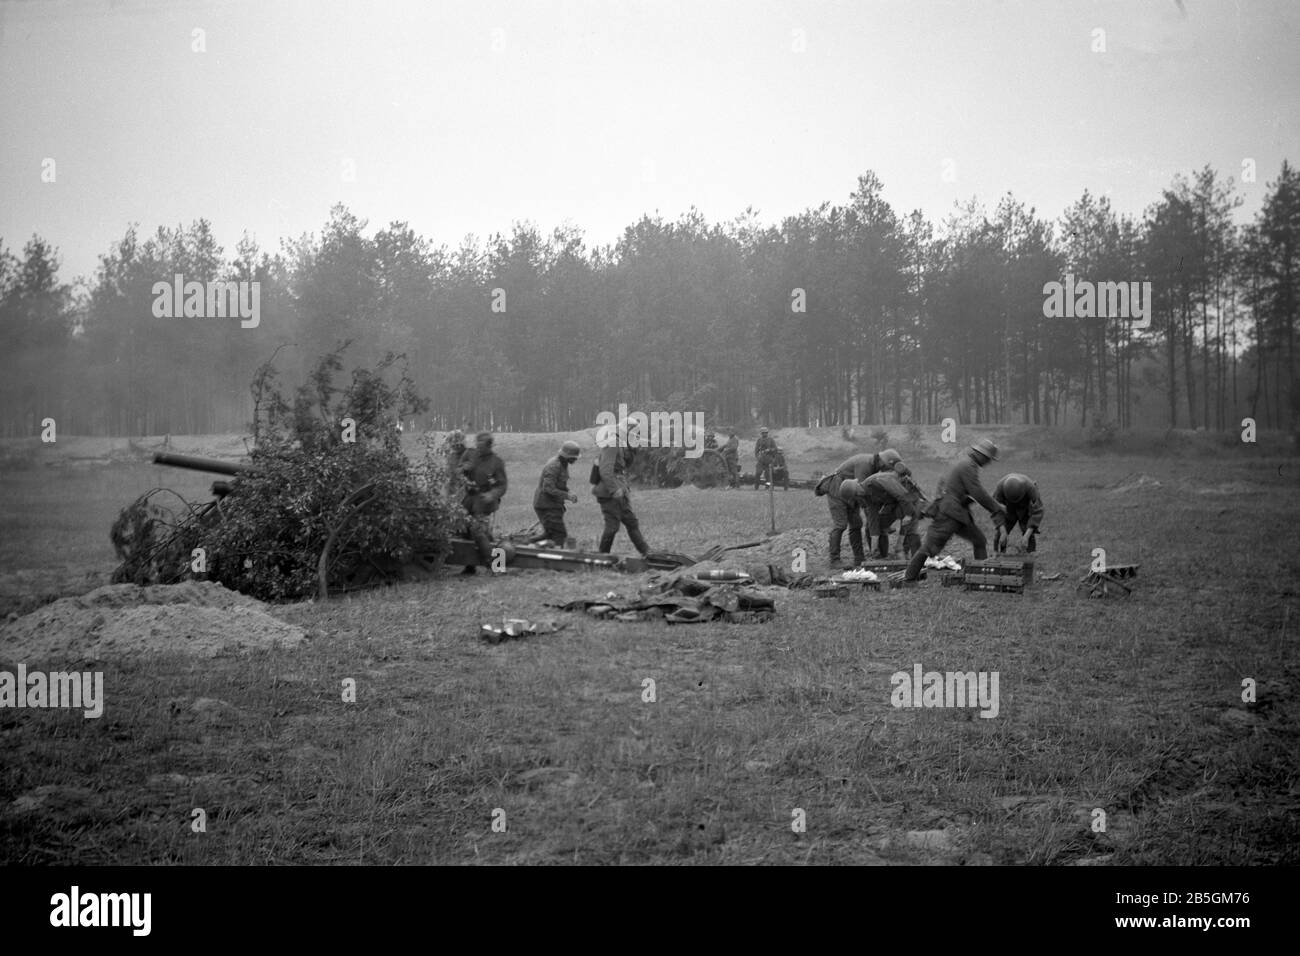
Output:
[[1132, 707]]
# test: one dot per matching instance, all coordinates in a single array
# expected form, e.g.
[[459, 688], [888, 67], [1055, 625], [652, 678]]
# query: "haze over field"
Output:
[[464, 117]]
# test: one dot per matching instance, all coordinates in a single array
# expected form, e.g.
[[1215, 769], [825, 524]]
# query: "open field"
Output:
[[1128, 706]]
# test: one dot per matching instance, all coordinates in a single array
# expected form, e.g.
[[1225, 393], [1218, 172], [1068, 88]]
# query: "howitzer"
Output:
[[211, 465]]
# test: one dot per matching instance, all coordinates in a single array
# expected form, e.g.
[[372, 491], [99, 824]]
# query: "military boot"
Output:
[[855, 542], [837, 536]]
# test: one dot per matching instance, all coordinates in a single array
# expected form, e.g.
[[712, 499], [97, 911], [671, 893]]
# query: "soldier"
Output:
[[485, 486], [764, 454], [863, 466], [886, 499], [1019, 495], [956, 491], [846, 509], [455, 445], [780, 471], [613, 494], [845, 504], [552, 492], [731, 455]]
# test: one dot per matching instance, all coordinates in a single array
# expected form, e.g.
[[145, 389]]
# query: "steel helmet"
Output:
[[1015, 487], [763, 429], [850, 488], [570, 449], [901, 469], [890, 457], [456, 437], [986, 448]]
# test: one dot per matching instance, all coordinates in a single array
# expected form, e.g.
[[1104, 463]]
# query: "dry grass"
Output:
[[1129, 706]]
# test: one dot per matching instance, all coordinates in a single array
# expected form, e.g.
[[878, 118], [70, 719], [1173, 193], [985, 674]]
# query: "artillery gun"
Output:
[[154, 541], [147, 533]]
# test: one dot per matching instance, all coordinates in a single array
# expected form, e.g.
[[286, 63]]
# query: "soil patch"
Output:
[[196, 617]]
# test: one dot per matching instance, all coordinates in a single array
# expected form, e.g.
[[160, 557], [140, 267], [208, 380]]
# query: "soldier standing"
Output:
[[613, 494], [957, 490], [485, 486], [1019, 495], [764, 455], [552, 492], [731, 455]]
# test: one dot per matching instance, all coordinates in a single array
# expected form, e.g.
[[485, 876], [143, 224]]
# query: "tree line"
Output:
[[840, 314]]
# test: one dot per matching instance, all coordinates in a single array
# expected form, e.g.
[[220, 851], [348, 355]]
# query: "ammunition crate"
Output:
[[997, 574], [883, 566], [832, 591]]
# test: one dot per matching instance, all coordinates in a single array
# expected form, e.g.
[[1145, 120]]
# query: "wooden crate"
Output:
[[883, 566], [997, 574]]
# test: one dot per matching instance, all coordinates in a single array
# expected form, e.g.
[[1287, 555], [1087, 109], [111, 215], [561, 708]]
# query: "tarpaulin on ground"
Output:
[[679, 598]]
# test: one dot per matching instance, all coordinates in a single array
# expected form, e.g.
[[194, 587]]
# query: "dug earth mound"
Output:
[[118, 620]]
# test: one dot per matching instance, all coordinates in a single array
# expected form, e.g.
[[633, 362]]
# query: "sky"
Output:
[[463, 118]]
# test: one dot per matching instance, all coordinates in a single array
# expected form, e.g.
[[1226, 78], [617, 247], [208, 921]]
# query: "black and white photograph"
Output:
[[651, 433]]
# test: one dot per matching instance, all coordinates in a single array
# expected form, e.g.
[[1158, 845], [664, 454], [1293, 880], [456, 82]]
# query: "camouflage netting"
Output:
[[776, 554]]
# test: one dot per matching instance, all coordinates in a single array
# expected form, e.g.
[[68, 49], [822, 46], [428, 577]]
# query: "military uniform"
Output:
[[780, 471], [846, 510], [485, 486], [731, 455], [548, 501], [1019, 495], [845, 504], [952, 515], [764, 457], [613, 494], [886, 499]]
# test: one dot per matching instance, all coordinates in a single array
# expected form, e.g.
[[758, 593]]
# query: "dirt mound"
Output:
[[197, 618]]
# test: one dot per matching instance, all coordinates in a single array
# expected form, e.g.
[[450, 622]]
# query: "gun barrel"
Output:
[[194, 463]]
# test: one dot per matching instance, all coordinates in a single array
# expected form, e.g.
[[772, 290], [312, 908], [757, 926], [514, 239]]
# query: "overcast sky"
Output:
[[464, 117]]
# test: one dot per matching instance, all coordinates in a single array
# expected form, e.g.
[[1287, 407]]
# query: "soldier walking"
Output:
[[957, 490], [552, 492], [614, 496]]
